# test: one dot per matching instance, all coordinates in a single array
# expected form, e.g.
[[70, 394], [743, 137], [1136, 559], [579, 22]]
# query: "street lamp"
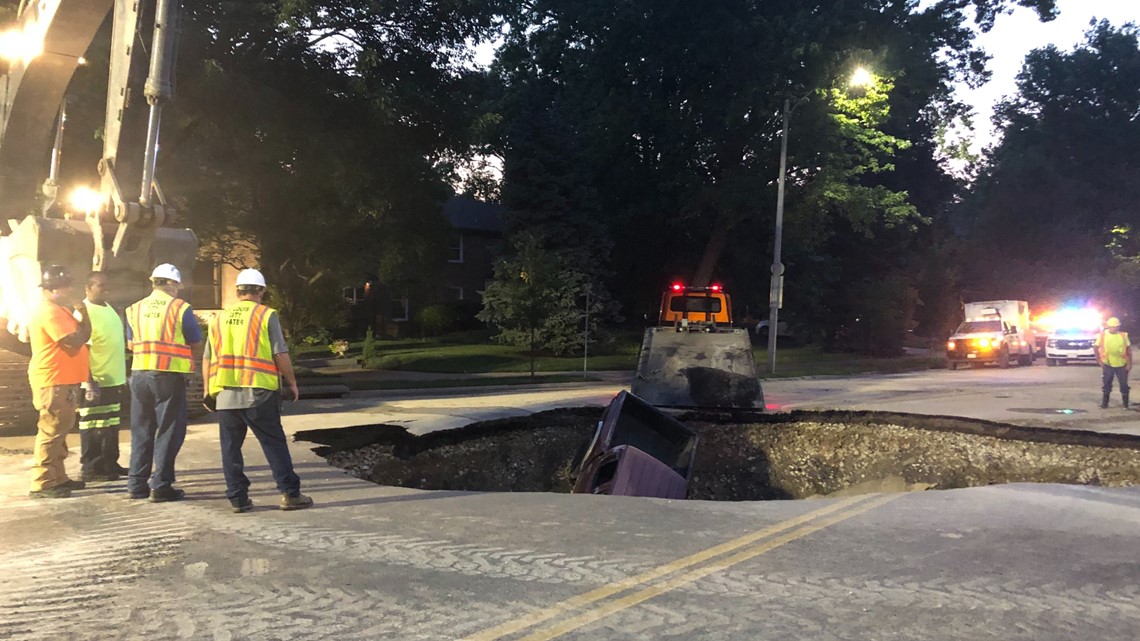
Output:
[[859, 78]]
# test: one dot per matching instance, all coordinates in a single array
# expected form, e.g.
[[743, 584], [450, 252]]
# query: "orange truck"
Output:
[[699, 307], [694, 357]]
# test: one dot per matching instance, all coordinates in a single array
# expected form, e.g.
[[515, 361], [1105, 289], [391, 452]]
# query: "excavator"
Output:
[[114, 228]]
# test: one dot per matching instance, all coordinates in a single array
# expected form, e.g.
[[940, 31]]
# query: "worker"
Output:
[[1114, 353], [100, 407], [57, 368], [161, 333], [245, 359]]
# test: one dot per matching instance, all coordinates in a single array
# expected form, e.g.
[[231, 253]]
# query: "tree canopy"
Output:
[[1055, 211]]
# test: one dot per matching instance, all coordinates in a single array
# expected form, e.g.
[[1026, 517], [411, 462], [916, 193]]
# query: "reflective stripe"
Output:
[[241, 353], [96, 424], [156, 334], [100, 409]]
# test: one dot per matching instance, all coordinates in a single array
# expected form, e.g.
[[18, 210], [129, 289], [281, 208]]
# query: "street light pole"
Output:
[[775, 294], [860, 78]]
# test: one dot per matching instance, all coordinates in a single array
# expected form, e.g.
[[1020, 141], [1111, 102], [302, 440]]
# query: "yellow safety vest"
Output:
[[241, 353], [156, 334], [1120, 345]]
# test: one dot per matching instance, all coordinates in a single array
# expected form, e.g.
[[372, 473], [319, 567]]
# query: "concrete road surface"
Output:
[[369, 562]]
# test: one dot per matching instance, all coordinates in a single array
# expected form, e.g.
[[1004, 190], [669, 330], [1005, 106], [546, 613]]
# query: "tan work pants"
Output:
[[58, 406]]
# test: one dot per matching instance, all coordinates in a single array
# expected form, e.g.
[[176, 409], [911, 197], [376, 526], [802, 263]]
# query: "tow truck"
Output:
[[694, 357]]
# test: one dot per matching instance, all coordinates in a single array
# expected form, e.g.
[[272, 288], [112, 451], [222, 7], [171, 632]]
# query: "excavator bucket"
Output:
[[698, 369], [38, 242]]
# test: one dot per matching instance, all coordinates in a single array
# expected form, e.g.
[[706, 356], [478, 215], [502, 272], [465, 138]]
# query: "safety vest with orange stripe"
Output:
[[157, 341], [241, 352]]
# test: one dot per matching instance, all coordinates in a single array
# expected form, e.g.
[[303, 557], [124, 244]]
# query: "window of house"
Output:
[[354, 295], [456, 292], [455, 248], [398, 309]]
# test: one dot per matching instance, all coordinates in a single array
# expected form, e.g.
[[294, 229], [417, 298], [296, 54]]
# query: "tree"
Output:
[[1055, 207], [674, 120]]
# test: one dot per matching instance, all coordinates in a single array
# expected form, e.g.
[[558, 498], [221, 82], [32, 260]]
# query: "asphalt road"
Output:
[[1033, 562], [1064, 397]]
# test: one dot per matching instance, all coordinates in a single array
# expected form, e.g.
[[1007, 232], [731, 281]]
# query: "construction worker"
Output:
[[161, 333], [57, 368], [100, 407], [245, 359], [1114, 353]]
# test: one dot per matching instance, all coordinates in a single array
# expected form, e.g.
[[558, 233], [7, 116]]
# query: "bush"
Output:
[[319, 337], [444, 318], [437, 319], [370, 349]]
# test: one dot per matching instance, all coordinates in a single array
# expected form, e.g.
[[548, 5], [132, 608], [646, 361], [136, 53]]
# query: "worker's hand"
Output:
[[293, 393]]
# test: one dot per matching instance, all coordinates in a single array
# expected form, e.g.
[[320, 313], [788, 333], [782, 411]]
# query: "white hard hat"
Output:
[[250, 277], [167, 271]]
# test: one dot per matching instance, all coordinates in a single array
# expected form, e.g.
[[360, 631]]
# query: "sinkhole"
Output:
[[743, 458]]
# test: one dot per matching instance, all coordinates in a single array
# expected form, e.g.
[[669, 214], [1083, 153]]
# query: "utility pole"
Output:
[[775, 293]]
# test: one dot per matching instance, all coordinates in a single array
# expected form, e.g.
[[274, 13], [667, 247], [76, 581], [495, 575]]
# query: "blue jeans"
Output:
[[158, 428], [1120, 374], [265, 422]]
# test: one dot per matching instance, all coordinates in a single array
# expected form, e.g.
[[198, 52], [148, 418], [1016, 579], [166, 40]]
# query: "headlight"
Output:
[[984, 343], [951, 345], [1051, 343]]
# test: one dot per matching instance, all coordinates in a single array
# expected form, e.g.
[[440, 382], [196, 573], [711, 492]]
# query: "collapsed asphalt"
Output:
[[753, 457]]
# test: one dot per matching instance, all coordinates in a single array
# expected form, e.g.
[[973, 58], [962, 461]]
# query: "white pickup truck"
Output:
[[995, 331]]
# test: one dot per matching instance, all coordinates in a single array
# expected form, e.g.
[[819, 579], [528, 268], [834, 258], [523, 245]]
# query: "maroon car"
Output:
[[637, 451]]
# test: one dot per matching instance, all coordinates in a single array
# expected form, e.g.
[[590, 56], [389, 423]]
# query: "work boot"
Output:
[[166, 494], [1124, 397], [57, 492], [99, 478], [295, 501], [243, 504], [1104, 402], [73, 484]]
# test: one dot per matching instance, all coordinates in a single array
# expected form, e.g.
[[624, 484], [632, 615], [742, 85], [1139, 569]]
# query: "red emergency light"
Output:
[[715, 288], [678, 287]]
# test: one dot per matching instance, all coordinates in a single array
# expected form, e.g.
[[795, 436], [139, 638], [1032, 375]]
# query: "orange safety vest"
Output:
[[156, 334]]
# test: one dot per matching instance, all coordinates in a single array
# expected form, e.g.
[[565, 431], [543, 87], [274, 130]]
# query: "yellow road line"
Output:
[[534, 618], [625, 602]]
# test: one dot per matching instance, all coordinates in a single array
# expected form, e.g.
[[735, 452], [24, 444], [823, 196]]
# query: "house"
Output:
[[476, 229]]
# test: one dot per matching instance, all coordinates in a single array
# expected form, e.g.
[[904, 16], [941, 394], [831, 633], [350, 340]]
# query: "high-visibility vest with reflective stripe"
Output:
[[157, 341], [241, 353]]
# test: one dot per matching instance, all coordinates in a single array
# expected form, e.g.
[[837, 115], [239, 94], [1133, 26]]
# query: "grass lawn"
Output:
[[447, 356], [813, 361], [358, 382]]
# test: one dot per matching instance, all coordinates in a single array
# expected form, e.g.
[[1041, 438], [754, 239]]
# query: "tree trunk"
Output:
[[713, 249]]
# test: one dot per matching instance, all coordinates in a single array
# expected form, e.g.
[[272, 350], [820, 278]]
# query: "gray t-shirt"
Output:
[[241, 398]]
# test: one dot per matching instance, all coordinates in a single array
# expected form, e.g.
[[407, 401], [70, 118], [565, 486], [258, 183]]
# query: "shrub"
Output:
[[370, 350], [437, 319]]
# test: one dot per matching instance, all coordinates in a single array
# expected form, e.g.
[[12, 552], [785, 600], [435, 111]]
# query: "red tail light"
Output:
[[715, 288], [678, 287]]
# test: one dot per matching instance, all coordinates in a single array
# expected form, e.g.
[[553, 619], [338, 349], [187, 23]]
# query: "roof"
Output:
[[473, 215]]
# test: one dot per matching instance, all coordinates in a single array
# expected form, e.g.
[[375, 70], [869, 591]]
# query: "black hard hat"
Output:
[[55, 277]]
